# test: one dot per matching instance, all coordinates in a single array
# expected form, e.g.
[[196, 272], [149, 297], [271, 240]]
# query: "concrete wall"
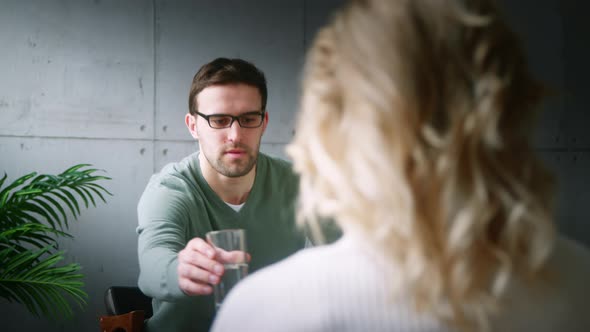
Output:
[[106, 82]]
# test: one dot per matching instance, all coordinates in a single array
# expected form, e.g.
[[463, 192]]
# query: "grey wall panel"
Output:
[[275, 150], [576, 184], [572, 195], [557, 162], [577, 71], [541, 32], [577, 123], [105, 242], [172, 151], [76, 68], [191, 33]]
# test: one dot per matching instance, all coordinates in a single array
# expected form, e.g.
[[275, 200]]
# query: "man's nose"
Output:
[[234, 131]]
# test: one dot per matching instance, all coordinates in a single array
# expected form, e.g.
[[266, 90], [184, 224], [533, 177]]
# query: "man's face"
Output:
[[231, 151]]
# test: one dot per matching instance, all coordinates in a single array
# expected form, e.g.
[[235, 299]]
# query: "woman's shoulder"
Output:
[[570, 256], [561, 290], [314, 259], [570, 262], [272, 298]]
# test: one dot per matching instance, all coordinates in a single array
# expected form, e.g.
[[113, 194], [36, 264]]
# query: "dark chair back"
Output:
[[123, 299]]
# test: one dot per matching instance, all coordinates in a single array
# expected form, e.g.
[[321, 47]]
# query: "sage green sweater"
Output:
[[178, 205]]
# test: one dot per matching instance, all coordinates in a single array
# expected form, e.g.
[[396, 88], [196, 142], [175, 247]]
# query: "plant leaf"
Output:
[[74, 168], [32, 215], [42, 286], [81, 194], [6, 191], [74, 208], [3, 179]]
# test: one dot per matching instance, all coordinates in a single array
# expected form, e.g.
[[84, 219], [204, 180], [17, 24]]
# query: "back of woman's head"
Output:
[[415, 132]]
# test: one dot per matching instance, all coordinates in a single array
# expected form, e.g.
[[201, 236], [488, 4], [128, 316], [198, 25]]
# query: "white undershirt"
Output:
[[236, 207]]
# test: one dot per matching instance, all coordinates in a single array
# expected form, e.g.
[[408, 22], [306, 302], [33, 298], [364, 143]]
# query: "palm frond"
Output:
[[34, 211], [47, 195], [32, 235], [4, 194], [3, 179], [33, 279]]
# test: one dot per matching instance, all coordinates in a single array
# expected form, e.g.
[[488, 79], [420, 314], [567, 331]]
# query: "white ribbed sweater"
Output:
[[338, 288]]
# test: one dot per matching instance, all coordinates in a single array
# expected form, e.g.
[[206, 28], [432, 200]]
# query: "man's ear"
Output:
[[264, 122], [191, 123]]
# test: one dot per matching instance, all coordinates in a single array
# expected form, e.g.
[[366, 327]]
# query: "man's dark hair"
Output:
[[227, 71]]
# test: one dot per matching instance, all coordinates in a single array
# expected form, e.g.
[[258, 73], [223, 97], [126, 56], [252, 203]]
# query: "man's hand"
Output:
[[200, 265]]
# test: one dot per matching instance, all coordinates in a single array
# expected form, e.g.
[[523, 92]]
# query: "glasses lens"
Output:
[[250, 120], [219, 121]]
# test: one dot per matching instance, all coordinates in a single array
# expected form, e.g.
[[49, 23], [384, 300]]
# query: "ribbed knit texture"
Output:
[[341, 288]]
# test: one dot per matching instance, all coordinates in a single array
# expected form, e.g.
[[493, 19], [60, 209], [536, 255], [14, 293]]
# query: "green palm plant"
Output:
[[34, 211]]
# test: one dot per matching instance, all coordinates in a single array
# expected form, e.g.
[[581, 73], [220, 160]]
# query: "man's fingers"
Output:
[[232, 257], [200, 245], [192, 288], [198, 260], [195, 274], [200, 254]]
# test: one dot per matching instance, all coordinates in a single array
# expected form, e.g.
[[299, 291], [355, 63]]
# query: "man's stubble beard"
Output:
[[239, 168]]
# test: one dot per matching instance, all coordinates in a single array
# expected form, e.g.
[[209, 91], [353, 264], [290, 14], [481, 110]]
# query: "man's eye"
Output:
[[249, 119], [222, 121]]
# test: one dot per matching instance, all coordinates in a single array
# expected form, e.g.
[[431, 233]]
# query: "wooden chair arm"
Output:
[[129, 322]]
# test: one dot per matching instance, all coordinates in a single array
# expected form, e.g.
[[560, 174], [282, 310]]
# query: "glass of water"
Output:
[[229, 244]]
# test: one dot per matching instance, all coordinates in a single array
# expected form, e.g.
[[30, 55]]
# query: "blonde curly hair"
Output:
[[414, 130]]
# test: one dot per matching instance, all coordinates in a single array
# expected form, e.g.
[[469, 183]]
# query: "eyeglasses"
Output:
[[246, 120]]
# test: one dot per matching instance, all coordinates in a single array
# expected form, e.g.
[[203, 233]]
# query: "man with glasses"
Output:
[[228, 183]]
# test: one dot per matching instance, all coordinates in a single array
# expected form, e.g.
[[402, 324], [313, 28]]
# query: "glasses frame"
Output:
[[233, 118]]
